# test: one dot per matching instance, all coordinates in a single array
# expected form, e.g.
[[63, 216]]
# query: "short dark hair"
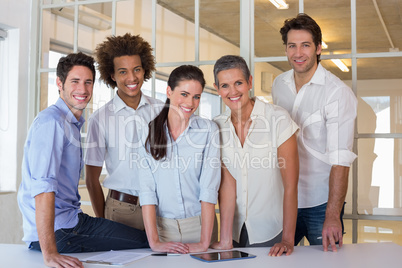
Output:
[[302, 22], [118, 46], [74, 59], [231, 62]]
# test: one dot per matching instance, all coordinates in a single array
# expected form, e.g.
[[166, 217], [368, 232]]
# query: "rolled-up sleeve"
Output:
[[341, 113], [147, 181], [210, 178], [45, 156]]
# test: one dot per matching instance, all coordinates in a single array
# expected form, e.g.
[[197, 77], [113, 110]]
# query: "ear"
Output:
[[319, 49], [250, 82], [59, 84], [169, 92], [216, 87], [112, 76]]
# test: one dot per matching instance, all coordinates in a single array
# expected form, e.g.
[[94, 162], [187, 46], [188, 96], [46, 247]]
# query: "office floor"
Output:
[[369, 231]]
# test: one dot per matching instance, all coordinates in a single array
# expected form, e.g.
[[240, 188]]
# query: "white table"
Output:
[[385, 255]]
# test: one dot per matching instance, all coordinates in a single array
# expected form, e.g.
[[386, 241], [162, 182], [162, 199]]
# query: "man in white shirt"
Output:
[[325, 110], [125, 62]]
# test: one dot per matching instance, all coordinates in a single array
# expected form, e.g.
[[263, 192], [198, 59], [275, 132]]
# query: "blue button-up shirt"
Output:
[[52, 163], [190, 173]]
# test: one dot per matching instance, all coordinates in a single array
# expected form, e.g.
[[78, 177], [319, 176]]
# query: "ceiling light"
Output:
[[324, 45], [340, 65], [279, 4]]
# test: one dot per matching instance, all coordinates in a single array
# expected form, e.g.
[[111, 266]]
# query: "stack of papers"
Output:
[[115, 257]]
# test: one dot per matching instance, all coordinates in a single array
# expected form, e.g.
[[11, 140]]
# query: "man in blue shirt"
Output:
[[48, 196]]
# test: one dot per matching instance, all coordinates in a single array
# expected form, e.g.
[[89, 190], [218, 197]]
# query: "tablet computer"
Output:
[[222, 256]]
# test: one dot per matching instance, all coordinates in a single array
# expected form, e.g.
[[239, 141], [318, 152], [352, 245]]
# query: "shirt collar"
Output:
[[258, 110], [318, 77], [70, 117], [119, 104]]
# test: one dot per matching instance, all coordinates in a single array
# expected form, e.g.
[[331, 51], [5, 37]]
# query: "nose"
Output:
[[298, 51], [190, 102], [131, 76]]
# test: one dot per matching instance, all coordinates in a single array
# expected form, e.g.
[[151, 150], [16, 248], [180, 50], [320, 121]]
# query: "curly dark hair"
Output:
[[126, 45], [302, 22]]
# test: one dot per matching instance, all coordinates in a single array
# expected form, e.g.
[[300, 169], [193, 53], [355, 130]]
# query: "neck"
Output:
[[303, 78], [243, 114], [132, 102], [77, 113], [176, 123]]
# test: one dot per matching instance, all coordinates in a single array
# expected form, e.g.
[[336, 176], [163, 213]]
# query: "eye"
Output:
[[224, 86], [122, 72], [197, 97], [88, 82], [137, 70], [238, 83], [184, 94]]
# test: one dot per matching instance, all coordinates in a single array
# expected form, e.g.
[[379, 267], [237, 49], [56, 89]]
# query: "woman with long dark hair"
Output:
[[180, 169]]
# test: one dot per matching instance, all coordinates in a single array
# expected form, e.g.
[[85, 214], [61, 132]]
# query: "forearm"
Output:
[[288, 154], [45, 215], [207, 223], [338, 186], [95, 190], [289, 215], [149, 216], [227, 204]]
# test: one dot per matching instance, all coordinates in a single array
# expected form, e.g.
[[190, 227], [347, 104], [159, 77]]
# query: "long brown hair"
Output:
[[156, 143]]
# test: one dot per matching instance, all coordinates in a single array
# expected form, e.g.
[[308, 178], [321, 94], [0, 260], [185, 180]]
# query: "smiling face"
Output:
[[76, 91], [184, 98], [129, 77], [233, 88], [302, 52]]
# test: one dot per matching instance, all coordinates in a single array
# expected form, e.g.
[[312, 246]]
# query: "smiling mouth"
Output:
[[186, 110], [234, 98], [132, 86], [80, 98]]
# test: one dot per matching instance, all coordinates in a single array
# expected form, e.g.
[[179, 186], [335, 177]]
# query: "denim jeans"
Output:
[[97, 234], [310, 222]]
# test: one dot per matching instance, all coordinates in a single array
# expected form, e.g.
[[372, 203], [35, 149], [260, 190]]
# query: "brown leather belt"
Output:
[[122, 197]]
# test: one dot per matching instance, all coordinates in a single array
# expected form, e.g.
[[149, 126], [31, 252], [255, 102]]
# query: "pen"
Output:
[[165, 254]]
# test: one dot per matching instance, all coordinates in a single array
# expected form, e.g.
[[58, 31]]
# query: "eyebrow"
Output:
[[78, 79], [124, 68], [304, 42]]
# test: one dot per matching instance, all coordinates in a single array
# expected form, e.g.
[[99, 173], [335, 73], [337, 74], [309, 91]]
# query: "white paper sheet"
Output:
[[115, 257]]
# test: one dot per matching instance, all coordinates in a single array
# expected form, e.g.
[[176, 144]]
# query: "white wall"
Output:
[[15, 16]]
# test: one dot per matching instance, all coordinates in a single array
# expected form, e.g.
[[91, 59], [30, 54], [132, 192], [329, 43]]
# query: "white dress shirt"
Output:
[[191, 172], [255, 167], [325, 111], [112, 139]]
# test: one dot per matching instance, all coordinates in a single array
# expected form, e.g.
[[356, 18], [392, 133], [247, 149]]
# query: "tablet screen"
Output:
[[222, 256]]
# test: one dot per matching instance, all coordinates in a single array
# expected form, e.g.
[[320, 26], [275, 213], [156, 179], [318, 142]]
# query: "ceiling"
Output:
[[222, 17]]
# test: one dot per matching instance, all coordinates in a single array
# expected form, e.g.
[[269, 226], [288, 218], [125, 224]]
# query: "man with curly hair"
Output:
[[124, 62]]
